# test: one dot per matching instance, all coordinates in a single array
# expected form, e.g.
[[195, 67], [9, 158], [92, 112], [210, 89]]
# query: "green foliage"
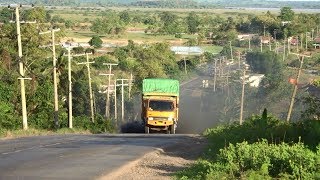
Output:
[[170, 23], [193, 21], [286, 14], [5, 15], [262, 148], [100, 125], [111, 23], [125, 17], [264, 62], [96, 42]]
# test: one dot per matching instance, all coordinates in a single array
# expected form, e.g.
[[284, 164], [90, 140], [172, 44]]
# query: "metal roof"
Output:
[[187, 50]]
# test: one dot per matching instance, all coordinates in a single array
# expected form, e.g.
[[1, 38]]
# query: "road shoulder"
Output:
[[162, 163]]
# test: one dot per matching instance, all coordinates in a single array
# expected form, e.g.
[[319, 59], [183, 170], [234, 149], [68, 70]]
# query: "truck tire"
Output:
[[146, 130], [172, 129]]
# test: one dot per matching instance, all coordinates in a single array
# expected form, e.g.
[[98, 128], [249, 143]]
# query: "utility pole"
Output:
[[231, 51], [284, 50], [276, 48], [301, 36], [306, 41], [108, 92], [122, 96], [21, 67], [185, 65], [87, 63], [215, 75], [289, 47], [296, 85], [242, 94], [261, 45], [130, 84], [115, 101], [239, 57], [70, 85], [250, 44], [269, 43], [55, 83]]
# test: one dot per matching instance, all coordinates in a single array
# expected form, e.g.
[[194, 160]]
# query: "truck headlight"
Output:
[[170, 119], [150, 118]]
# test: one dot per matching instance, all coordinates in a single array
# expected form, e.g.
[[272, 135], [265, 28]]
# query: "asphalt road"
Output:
[[94, 156], [77, 156]]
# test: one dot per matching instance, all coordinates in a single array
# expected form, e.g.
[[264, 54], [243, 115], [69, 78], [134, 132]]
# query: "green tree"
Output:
[[5, 15], [125, 17], [110, 23], [193, 22], [286, 14], [170, 23], [96, 42]]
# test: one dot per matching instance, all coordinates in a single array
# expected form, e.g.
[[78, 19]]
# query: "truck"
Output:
[[160, 105]]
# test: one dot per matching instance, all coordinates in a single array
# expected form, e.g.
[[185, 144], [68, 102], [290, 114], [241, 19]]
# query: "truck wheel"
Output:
[[146, 130], [172, 129]]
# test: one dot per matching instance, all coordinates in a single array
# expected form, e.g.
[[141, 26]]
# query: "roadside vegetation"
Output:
[[263, 147], [145, 53]]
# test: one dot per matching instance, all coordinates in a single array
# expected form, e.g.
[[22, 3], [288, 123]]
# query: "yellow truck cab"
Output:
[[160, 100]]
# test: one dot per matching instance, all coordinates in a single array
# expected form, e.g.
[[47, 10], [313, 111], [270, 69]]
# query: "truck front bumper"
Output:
[[160, 122]]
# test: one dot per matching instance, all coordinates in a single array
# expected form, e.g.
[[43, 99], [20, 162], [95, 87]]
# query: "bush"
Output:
[[260, 160], [99, 126], [262, 148]]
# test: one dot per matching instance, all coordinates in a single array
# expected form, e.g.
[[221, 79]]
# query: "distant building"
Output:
[[186, 50], [283, 23], [242, 37], [254, 79], [293, 41], [265, 39], [316, 42]]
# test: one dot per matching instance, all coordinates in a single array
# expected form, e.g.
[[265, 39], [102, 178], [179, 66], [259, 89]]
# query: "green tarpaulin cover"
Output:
[[169, 86]]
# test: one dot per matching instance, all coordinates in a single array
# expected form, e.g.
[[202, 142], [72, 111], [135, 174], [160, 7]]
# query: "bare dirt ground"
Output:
[[162, 163]]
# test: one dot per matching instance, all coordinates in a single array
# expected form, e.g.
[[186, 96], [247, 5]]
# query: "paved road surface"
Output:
[[77, 156]]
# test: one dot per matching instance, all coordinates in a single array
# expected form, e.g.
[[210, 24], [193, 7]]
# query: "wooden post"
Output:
[[55, 83], [215, 75], [122, 97], [108, 92], [295, 86], [70, 88], [242, 95], [87, 63], [22, 73], [231, 53]]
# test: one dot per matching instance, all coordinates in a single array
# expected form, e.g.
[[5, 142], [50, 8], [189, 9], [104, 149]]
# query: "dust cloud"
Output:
[[196, 104]]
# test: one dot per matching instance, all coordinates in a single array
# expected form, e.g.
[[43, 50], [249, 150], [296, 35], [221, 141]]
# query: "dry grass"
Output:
[[10, 134]]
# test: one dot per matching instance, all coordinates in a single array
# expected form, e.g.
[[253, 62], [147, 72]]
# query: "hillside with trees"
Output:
[[175, 4]]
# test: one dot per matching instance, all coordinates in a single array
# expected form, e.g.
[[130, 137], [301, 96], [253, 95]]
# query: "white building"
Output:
[[254, 79]]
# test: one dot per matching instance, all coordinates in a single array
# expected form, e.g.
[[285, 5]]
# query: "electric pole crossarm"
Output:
[[55, 81], [109, 79], [87, 63]]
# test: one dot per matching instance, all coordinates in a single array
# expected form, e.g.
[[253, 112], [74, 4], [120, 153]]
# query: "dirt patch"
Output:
[[162, 163]]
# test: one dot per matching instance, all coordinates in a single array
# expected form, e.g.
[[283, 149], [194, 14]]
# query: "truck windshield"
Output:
[[161, 105]]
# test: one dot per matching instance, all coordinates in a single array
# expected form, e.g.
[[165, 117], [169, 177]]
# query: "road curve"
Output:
[[77, 156]]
